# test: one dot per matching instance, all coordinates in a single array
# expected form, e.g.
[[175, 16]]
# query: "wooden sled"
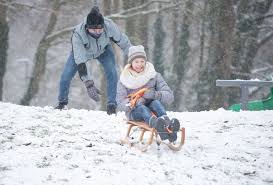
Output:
[[152, 135]]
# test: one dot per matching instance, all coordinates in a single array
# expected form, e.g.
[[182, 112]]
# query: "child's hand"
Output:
[[140, 101], [152, 95], [149, 95]]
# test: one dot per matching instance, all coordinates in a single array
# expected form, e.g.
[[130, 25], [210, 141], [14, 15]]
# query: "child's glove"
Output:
[[140, 101], [152, 95], [92, 91]]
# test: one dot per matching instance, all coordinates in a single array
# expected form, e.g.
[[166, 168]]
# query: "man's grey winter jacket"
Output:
[[86, 47]]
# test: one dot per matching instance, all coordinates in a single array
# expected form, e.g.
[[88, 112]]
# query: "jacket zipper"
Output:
[[97, 44]]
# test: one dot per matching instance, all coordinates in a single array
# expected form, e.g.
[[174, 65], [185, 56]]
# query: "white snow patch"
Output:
[[43, 146]]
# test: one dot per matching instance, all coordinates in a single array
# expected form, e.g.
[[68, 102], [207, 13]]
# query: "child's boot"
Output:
[[160, 124], [174, 126]]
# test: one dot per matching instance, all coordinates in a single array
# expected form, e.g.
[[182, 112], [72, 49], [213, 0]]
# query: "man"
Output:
[[92, 40]]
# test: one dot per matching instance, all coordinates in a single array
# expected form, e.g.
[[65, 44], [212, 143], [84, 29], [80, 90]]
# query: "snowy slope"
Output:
[[46, 146]]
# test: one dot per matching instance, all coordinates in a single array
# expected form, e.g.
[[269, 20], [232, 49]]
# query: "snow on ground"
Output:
[[43, 146]]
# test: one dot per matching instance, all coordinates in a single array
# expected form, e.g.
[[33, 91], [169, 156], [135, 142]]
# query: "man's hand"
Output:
[[92, 91]]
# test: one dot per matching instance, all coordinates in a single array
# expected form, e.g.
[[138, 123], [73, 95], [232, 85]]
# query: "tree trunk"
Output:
[[175, 33], [226, 24], [4, 29], [246, 44], [180, 64], [201, 86], [107, 4], [143, 30], [40, 57], [158, 57], [221, 18]]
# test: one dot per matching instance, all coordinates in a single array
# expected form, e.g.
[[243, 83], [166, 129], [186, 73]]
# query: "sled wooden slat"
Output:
[[152, 131], [144, 127]]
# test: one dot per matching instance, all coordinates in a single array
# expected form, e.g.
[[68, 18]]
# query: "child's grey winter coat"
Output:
[[157, 83]]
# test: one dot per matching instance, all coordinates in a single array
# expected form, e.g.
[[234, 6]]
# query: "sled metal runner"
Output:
[[153, 135]]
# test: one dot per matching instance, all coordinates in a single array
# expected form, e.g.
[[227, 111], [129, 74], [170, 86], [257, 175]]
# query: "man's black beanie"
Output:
[[95, 19]]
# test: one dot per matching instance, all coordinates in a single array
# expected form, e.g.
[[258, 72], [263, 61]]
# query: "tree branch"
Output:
[[265, 27], [241, 73], [13, 5], [264, 17], [59, 33], [143, 13], [143, 6], [262, 70], [264, 63], [264, 40]]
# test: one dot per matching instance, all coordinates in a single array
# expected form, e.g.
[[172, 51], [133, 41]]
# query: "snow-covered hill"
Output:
[[80, 147]]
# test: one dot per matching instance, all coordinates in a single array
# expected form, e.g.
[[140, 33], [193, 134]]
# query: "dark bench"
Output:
[[244, 85]]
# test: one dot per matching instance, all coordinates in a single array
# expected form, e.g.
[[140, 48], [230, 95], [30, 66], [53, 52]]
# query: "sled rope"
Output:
[[135, 96]]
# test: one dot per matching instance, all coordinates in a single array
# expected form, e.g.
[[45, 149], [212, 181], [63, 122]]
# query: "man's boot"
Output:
[[111, 108], [61, 106]]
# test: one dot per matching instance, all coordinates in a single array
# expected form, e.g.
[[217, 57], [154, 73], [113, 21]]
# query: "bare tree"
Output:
[[250, 17], [220, 56], [202, 85], [4, 29], [180, 65], [40, 55]]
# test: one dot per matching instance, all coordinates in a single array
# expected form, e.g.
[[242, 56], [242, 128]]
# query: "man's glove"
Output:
[[92, 91], [111, 108], [152, 95]]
